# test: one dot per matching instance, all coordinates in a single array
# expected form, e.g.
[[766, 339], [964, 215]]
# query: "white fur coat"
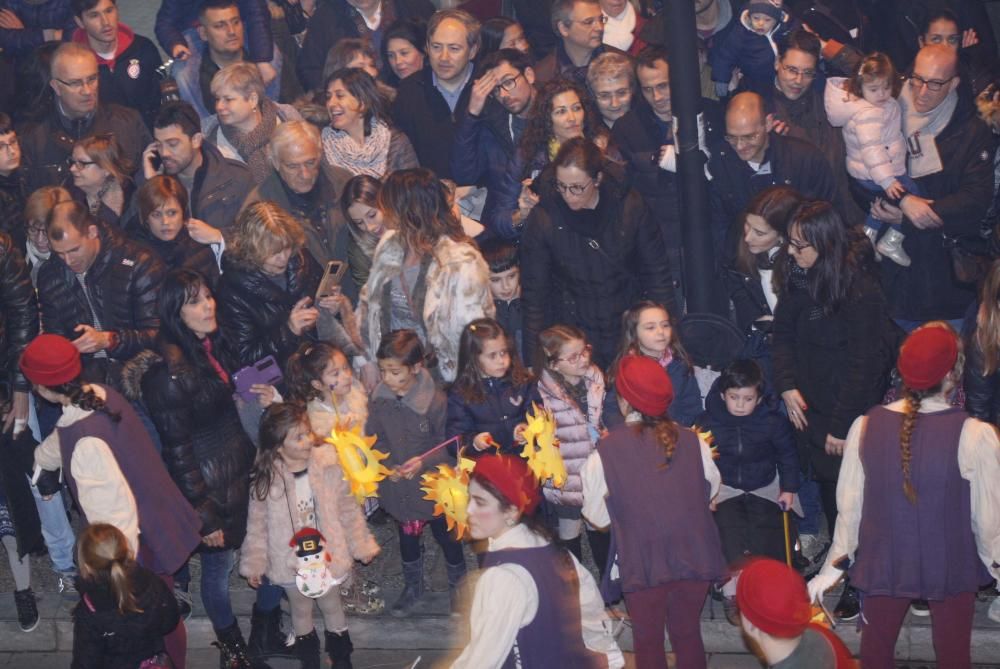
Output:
[[457, 292]]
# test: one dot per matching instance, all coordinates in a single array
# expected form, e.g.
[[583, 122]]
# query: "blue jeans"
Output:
[[56, 530], [872, 222], [216, 566], [812, 507], [268, 596]]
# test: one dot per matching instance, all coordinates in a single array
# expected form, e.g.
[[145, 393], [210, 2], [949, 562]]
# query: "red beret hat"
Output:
[[927, 356], [644, 384], [511, 476], [773, 597], [50, 360]]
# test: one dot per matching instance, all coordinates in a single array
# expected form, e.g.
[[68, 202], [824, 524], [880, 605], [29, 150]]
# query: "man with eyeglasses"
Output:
[[488, 133], [579, 25], [951, 159], [796, 103], [752, 158], [76, 113], [13, 184]]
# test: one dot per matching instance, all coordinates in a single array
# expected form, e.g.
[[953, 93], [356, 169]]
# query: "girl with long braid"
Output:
[[919, 510]]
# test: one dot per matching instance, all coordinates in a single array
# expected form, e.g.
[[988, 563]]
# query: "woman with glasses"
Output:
[[426, 274], [36, 212], [590, 250], [101, 178], [360, 137], [561, 111], [833, 344]]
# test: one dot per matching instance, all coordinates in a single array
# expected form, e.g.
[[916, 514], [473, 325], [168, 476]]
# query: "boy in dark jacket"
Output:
[[505, 287], [750, 43], [757, 460]]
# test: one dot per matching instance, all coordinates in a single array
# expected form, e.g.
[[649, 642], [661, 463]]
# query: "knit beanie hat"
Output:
[[927, 356], [511, 476], [644, 384], [50, 360], [772, 9], [773, 597]]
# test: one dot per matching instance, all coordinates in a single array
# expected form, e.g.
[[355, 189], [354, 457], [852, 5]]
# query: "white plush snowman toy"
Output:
[[312, 575]]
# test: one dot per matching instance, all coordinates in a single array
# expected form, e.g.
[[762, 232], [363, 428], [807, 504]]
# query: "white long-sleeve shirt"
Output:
[[506, 599], [978, 462], [595, 487], [102, 491]]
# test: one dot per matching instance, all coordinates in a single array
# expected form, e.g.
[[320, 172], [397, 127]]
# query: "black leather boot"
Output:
[[307, 650], [339, 649], [266, 637], [233, 651]]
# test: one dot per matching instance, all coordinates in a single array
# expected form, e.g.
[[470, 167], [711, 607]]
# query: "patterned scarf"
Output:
[[251, 145], [371, 158]]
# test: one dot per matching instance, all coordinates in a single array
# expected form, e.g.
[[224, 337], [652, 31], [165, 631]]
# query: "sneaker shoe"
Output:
[[67, 585], [27, 609], [919, 607], [184, 602], [849, 606]]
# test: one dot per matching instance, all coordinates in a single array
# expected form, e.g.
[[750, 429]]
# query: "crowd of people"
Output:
[[426, 224]]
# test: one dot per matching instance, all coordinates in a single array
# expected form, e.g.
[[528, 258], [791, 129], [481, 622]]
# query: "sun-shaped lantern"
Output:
[[708, 438], [542, 448], [448, 488], [362, 464]]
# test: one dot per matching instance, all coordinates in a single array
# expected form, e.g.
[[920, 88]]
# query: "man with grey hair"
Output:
[[76, 113], [428, 102], [579, 25], [305, 186]]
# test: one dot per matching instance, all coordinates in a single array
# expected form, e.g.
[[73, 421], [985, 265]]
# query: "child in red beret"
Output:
[[652, 481], [919, 506], [775, 615]]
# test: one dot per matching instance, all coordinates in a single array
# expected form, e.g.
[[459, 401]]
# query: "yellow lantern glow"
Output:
[[542, 448], [362, 464]]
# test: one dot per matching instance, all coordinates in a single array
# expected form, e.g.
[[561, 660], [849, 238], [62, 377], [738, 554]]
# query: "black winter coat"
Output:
[[587, 273], [18, 315], [133, 80], [335, 20], [982, 393], [48, 143], [423, 114], [123, 282], [103, 638], [503, 407], [751, 447], [254, 309], [182, 252], [794, 162], [838, 361], [962, 193], [205, 449], [220, 186]]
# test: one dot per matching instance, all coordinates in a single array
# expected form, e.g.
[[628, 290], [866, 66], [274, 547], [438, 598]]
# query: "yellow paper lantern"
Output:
[[362, 464], [448, 488], [542, 448]]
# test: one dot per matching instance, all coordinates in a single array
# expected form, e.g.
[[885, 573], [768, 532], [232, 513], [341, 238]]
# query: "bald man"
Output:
[[77, 112], [752, 158], [951, 159]]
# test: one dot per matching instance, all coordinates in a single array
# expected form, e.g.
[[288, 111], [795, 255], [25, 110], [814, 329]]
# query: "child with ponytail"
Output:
[[125, 610], [918, 463], [660, 480], [300, 505]]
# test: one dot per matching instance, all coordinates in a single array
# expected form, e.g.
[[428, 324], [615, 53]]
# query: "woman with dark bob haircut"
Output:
[[833, 343], [186, 385]]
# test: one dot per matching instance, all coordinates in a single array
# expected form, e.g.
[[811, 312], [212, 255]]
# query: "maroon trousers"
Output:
[[951, 630], [678, 606]]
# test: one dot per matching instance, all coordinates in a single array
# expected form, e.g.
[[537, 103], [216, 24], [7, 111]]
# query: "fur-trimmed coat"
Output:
[[577, 433], [352, 409], [341, 521], [452, 290]]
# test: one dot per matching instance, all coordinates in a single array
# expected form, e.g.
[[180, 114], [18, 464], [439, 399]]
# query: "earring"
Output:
[[510, 522]]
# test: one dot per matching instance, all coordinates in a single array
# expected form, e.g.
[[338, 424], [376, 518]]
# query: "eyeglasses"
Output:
[[796, 72], [573, 189], [934, 85], [735, 140], [12, 145], [36, 231], [77, 85], [602, 19], [506, 85], [80, 164], [578, 356], [797, 245]]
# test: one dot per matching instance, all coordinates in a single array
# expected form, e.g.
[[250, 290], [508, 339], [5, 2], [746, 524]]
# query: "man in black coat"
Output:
[[76, 113], [216, 185], [956, 189], [428, 102], [796, 104], [753, 158], [335, 20], [127, 61], [98, 290]]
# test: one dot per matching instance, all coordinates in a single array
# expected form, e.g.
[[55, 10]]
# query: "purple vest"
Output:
[[662, 524], [555, 637], [168, 526], [924, 550]]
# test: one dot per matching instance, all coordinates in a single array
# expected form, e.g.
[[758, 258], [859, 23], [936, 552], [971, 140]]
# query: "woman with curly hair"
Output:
[[661, 479], [918, 463], [561, 111]]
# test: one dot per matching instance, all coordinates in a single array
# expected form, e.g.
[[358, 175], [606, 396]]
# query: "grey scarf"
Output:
[[921, 129]]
